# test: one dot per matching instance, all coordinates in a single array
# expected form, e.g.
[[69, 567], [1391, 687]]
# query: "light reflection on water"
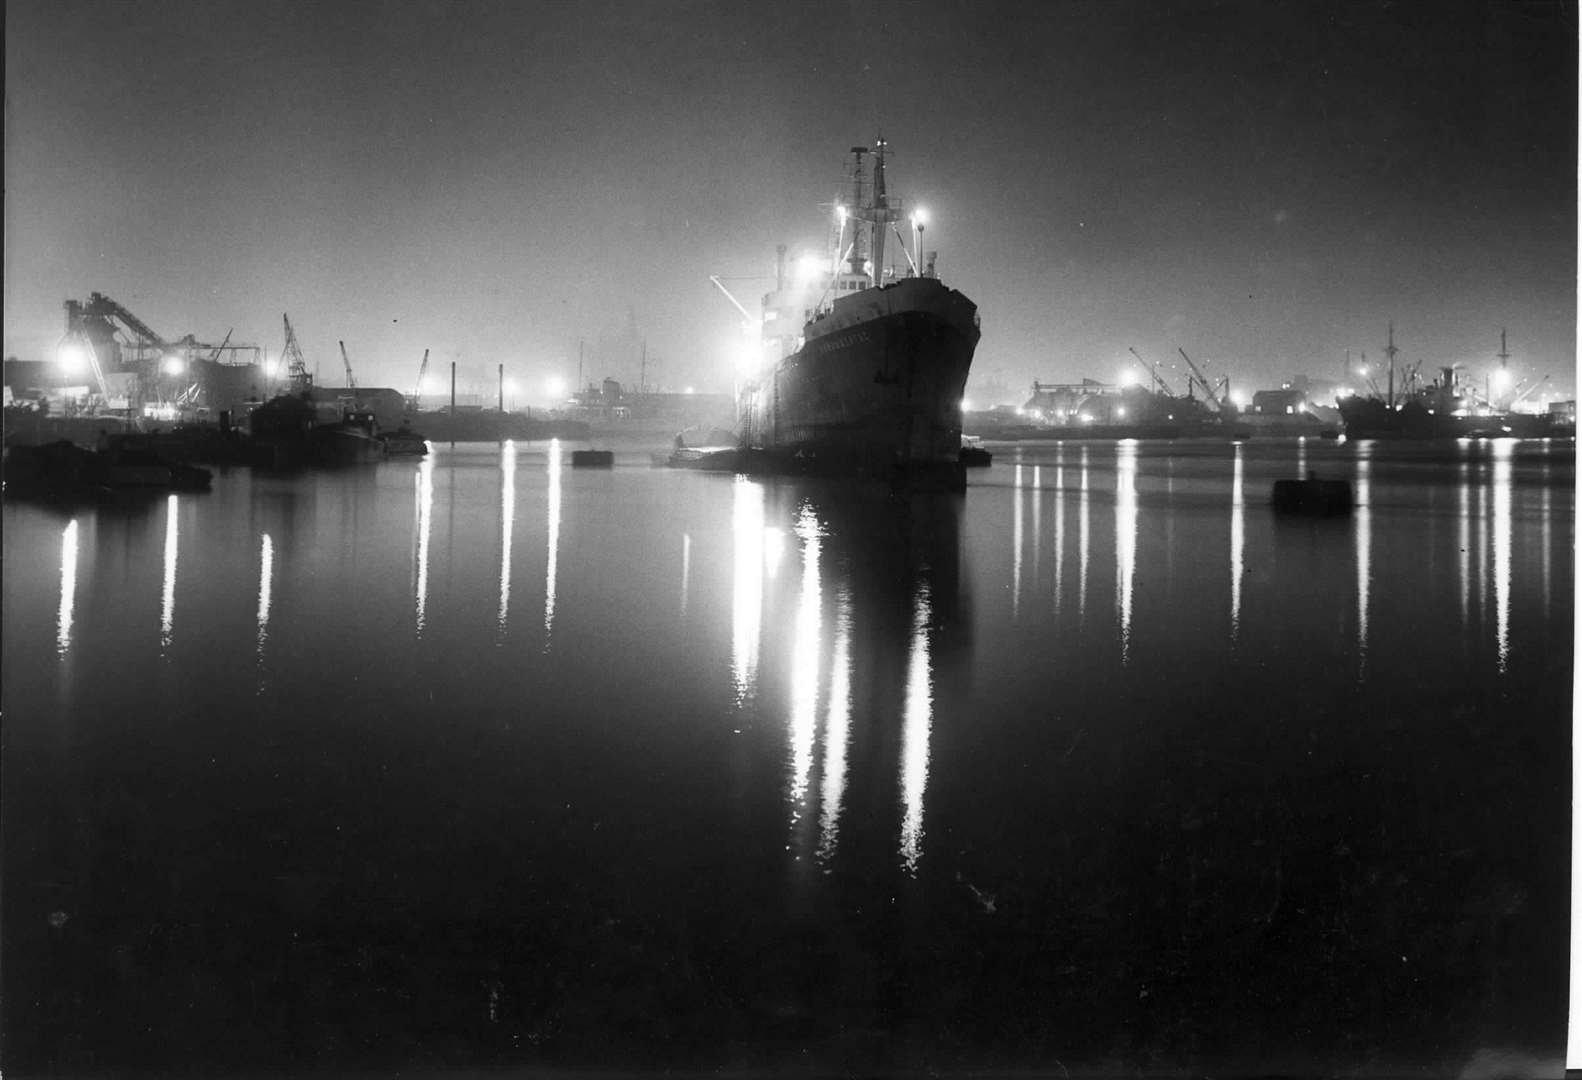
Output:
[[167, 609], [917, 724], [1238, 539], [507, 523], [1364, 534], [837, 731], [1060, 522], [806, 642], [747, 532], [266, 573], [552, 465], [1464, 536], [1016, 542], [1082, 537], [910, 738], [423, 485], [1500, 487], [1125, 537], [68, 587]]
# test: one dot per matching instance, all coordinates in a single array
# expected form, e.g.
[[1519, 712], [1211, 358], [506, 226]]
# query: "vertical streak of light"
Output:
[[837, 731], [1364, 555], [507, 525], [804, 662], [1544, 549], [747, 534], [1464, 540], [266, 574], [916, 724], [1501, 485], [1060, 521], [1301, 456], [424, 499], [1483, 552], [68, 587], [553, 542], [1238, 542], [686, 568], [167, 611], [1037, 495], [1125, 537], [1082, 539], [1016, 540]]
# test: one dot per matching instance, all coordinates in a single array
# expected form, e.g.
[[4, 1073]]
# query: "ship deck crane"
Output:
[[1208, 390], [417, 391], [1523, 394], [1164, 387], [351, 380]]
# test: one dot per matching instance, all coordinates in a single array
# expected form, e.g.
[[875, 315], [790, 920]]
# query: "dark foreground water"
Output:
[[1099, 767]]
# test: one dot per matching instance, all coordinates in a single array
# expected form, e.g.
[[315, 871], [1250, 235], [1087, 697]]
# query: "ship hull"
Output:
[[1369, 418], [875, 390]]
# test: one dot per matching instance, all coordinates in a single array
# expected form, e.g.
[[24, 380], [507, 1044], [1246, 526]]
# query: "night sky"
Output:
[[1265, 185]]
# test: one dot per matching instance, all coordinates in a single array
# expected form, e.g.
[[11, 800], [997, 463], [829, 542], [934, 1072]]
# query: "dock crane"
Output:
[[1164, 387], [296, 366], [1208, 390], [351, 380], [214, 357], [417, 391]]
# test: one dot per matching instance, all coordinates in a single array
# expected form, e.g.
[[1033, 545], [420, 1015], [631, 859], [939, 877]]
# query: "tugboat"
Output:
[[860, 367]]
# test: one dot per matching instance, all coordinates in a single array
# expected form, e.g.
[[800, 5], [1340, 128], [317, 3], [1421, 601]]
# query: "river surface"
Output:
[[489, 761]]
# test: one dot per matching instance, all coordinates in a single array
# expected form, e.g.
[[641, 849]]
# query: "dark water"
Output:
[[1099, 767]]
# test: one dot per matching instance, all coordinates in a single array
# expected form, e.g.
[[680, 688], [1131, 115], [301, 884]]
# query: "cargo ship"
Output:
[[1448, 407], [860, 366]]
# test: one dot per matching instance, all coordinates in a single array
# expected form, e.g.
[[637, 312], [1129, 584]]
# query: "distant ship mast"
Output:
[[1390, 350]]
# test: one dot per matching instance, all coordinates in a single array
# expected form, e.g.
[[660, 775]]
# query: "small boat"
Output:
[[972, 454], [1312, 497], [592, 459], [404, 442], [705, 458]]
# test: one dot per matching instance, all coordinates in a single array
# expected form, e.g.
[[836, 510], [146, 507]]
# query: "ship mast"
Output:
[[857, 253], [879, 215]]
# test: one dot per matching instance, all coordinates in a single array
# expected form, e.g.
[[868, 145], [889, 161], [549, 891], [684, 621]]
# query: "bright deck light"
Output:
[[555, 386], [173, 364]]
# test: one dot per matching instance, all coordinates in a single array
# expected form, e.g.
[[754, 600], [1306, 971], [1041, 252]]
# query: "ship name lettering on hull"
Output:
[[841, 341]]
